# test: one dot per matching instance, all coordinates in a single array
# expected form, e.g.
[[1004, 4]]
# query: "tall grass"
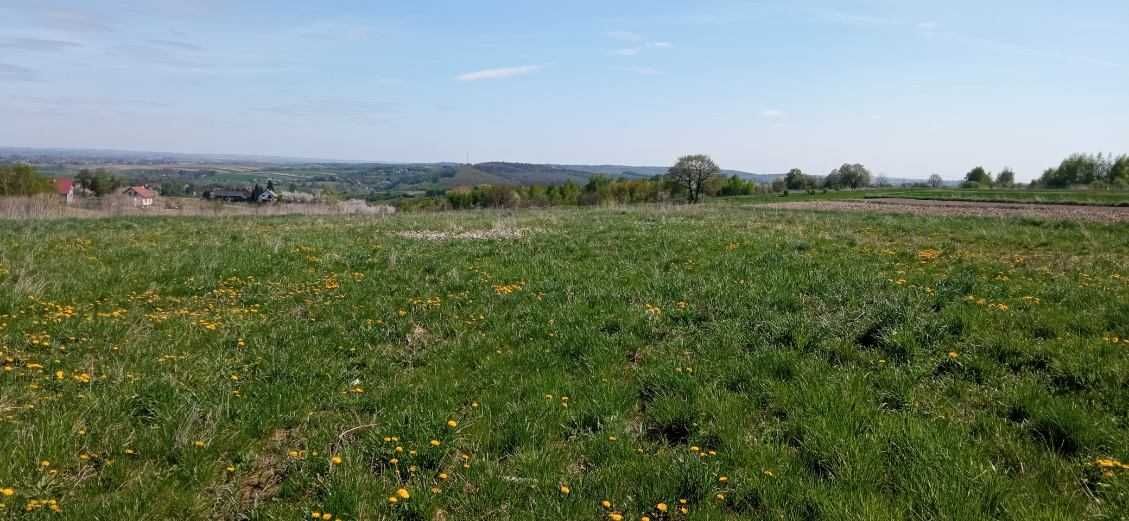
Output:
[[729, 360]]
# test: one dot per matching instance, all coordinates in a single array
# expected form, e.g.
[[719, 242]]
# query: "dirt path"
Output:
[[1108, 214]]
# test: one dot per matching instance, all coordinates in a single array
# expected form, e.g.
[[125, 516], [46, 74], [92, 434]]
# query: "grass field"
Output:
[[718, 362], [1100, 198]]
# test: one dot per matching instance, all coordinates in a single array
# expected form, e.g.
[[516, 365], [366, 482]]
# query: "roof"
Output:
[[64, 185], [142, 192]]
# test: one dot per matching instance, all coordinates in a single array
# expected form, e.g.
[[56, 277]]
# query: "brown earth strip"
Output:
[[1107, 214]]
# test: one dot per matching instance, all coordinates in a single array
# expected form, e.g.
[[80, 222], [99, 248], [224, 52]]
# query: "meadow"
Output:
[[724, 361]]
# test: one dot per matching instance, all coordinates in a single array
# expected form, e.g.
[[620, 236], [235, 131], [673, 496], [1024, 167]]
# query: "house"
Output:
[[140, 195], [65, 187], [268, 196]]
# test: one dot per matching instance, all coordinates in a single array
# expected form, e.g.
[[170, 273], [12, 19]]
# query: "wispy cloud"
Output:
[[361, 110], [638, 43], [77, 20], [175, 44], [625, 36], [772, 113], [335, 30], [644, 71], [499, 73], [850, 18], [10, 72], [37, 44]]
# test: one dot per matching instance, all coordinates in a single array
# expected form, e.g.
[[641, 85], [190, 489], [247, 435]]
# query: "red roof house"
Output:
[[141, 196], [65, 187]]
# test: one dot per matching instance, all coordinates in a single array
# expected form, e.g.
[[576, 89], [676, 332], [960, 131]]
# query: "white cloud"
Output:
[[629, 51], [499, 73], [661, 45], [772, 113]]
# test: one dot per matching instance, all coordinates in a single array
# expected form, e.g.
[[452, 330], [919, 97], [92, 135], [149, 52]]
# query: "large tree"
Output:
[[22, 180], [692, 173], [1006, 178], [936, 181], [978, 176], [848, 176], [796, 180], [1119, 172]]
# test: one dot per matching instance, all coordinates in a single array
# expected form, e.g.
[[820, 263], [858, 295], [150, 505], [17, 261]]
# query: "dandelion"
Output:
[[565, 490], [336, 460], [199, 444], [393, 500], [723, 479], [953, 355], [615, 516], [436, 443], [662, 507], [403, 493], [7, 491], [606, 504], [443, 476], [452, 423], [928, 255]]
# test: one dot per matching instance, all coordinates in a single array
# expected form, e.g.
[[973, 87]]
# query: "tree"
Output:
[[270, 185], [848, 176], [1078, 169], [796, 180], [936, 181], [23, 180], [1119, 172], [1006, 178], [978, 177], [692, 172], [100, 181]]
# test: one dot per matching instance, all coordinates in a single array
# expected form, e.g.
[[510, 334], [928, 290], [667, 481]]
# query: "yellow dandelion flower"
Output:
[[336, 460], [436, 443], [606, 504], [565, 490], [452, 423], [662, 507], [8, 491], [403, 493]]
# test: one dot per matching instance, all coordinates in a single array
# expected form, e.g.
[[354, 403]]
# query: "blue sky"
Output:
[[908, 88]]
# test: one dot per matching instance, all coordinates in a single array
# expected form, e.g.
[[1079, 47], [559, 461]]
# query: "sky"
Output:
[[906, 87]]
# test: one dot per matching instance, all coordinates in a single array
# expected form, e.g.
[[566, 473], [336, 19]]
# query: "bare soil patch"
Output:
[[1107, 214]]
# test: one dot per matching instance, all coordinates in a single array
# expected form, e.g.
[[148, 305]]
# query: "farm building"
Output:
[[64, 186], [141, 196]]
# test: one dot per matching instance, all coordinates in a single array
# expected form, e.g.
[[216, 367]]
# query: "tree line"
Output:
[[23, 180]]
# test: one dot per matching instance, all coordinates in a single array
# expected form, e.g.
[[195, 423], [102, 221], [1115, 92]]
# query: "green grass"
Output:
[[829, 366], [1099, 198]]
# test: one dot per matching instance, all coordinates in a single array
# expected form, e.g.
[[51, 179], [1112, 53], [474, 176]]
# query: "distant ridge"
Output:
[[491, 172]]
